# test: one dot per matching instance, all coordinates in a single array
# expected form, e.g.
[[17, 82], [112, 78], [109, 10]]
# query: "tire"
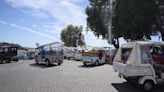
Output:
[[1, 61], [60, 63], [128, 80], [84, 64], [148, 85], [47, 62], [7, 61], [97, 63], [36, 62]]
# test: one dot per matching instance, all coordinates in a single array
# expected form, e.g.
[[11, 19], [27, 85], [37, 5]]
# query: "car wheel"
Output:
[[97, 62], [148, 85], [47, 62]]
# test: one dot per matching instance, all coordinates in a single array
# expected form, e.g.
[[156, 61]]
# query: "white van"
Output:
[[140, 62]]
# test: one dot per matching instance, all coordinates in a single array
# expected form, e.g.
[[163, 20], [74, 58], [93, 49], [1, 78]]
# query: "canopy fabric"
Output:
[[135, 56]]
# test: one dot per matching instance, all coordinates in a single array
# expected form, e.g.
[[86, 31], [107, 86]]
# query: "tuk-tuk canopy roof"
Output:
[[141, 43], [135, 55], [56, 44]]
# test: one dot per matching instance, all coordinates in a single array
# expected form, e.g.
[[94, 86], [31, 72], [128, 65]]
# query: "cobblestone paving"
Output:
[[71, 76]]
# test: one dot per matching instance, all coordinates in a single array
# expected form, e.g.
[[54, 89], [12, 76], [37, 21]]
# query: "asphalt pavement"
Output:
[[71, 76]]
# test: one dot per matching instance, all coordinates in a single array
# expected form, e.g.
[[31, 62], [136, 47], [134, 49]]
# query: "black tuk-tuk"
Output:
[[8, 53]]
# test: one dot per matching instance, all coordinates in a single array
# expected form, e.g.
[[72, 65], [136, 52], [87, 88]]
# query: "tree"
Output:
[[71, 36], [160, 19], [132, 19]]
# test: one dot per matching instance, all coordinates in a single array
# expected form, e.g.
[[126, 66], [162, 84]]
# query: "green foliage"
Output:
[[132, 19], [98, 17], [70, 34]]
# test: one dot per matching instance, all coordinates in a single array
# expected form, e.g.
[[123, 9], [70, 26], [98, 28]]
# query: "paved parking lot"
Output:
[[71, 76]]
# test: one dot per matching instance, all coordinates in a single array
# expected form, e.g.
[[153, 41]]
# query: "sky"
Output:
[[27, 22]]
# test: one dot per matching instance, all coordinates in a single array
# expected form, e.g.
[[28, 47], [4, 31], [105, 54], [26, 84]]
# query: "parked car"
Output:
[[50, 54], [143, 63]]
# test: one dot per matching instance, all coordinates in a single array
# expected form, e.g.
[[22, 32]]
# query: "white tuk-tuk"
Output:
[[95, 56], [69, 52], [141, 61], [78, 53], [50, 54]]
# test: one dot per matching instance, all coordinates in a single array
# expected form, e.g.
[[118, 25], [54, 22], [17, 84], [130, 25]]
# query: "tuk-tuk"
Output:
[[50, 54], [94, 56], [141, 62], [8, 53]]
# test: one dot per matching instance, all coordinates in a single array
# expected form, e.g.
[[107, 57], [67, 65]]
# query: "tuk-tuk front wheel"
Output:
[[148, 85], [47, 62], [97, 62], [60, 63]]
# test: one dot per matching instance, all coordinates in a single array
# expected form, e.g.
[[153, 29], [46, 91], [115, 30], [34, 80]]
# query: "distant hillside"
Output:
[[9, 44]]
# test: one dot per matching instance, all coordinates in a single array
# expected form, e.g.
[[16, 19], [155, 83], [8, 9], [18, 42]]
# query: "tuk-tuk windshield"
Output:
[[125, 54]]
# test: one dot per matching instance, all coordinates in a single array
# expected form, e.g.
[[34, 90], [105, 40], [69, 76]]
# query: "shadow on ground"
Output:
[[89, 66], [126, 87], [130, 87], [41, 65]]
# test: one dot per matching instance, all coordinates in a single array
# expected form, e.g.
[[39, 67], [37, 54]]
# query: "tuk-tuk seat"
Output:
[[158, 59]]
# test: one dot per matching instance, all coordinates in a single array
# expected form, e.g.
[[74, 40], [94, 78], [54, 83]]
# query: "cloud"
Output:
[[65, 11], [94, 41], [28, 30]]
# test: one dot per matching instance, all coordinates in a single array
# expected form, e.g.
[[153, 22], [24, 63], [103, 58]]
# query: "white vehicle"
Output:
[[69, 52], [94, 56], [78, 53], [144, 64], [50, 54]]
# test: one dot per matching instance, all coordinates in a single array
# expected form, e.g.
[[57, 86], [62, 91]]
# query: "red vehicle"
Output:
[[110, 55]]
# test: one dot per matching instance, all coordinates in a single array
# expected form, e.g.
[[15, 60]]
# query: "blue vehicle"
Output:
[[50, 54]]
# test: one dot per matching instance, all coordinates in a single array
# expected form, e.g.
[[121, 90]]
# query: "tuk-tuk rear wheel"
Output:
[[84, 64], [97, 62], [148, 85]]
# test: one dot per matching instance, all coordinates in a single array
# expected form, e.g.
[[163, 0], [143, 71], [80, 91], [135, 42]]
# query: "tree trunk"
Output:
[[162, 34], [115, 43]]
